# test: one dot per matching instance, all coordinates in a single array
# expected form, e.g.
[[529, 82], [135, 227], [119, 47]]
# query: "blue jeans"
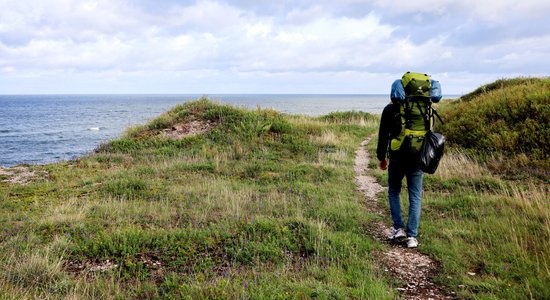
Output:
[[396, 172]]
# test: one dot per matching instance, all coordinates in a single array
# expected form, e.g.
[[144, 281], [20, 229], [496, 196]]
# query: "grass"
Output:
[[263, 206], [505, 125], [491, 235], [500, 84]]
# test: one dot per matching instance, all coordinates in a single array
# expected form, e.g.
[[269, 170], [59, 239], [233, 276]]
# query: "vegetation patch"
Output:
[[257, 204], [504, 124], [263, 205], [489, 233]]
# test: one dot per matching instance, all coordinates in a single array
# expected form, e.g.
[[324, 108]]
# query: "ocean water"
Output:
[[39, 129]]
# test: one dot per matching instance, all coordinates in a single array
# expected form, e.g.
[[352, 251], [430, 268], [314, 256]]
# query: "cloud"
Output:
[[204, 35], [233, 44], [492, 11]]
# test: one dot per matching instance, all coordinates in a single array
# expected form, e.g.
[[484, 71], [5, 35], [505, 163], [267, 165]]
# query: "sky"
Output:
[[257, 46]]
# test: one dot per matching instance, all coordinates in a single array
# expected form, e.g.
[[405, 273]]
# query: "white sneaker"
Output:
[[412, 242], [397, 233]]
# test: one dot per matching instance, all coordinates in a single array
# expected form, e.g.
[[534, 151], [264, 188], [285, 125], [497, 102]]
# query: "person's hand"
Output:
[[383, 165]]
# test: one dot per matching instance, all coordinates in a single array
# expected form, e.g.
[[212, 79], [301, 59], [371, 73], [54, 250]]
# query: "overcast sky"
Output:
[[256, 46]]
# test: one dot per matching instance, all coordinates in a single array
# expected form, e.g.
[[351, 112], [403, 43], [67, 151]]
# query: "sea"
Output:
[[41, 129]]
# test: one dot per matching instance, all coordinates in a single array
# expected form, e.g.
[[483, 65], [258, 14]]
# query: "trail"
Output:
[[416, 270]]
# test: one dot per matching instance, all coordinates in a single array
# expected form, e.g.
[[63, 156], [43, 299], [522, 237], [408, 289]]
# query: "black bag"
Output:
[[431, 152]]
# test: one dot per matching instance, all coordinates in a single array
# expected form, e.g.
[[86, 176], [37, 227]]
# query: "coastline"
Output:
[[57, 127], [257, 204]]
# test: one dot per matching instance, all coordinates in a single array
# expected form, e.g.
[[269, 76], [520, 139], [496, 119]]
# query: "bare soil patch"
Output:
[[89, 268], [20, 175], [186, 129], [414, 269]]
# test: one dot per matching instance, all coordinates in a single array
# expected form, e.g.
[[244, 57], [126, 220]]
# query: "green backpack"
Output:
[[416, 114], [416, 84]]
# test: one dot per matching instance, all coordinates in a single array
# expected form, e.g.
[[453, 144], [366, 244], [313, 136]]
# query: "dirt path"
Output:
[[408, 265]]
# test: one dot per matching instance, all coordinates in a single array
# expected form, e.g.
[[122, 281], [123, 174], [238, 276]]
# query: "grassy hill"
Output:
[[259, 205], [506, 124], [211, 201]]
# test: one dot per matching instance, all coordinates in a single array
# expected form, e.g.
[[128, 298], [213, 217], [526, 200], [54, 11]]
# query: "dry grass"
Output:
[[36, 270], [333, 158], [512, 228], [71, 211], [370, 123], [328, 137], [455, 163], [307, 124]]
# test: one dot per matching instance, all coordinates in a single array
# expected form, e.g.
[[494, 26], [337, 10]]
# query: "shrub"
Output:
[[36, 271], [503, 122], [345, 117], [127, 187], [499, 84]]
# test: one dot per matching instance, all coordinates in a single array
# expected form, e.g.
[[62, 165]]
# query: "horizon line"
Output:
[[207, 94]]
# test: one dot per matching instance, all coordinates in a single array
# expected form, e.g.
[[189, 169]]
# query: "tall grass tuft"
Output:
[[38, 272]]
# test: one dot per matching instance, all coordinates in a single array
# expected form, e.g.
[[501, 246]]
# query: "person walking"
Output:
[[399, 167], [403, 126]]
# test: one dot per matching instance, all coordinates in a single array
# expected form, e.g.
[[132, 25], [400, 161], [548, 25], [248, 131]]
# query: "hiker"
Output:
[[403, 127]]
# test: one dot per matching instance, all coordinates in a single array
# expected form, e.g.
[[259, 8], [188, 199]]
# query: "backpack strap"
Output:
[[429, 115], [425, 114], [407, 108]]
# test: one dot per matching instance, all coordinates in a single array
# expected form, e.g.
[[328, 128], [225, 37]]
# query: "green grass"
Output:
[[263, 206], [500, 84], [505, 124], [491, 235]]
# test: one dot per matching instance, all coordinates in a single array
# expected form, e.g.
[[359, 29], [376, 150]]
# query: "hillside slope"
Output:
[[209, 201], [206, 201], [486, 211], [506, 123]]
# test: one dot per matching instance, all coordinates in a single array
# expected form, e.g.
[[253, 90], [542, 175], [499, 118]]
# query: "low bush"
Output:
[[500, 84], [506, 123], [346, 116]]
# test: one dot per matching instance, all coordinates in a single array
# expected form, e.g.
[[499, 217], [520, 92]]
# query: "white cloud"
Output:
[[207, 15], [497, 11], [8, 69], [215, 44]]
